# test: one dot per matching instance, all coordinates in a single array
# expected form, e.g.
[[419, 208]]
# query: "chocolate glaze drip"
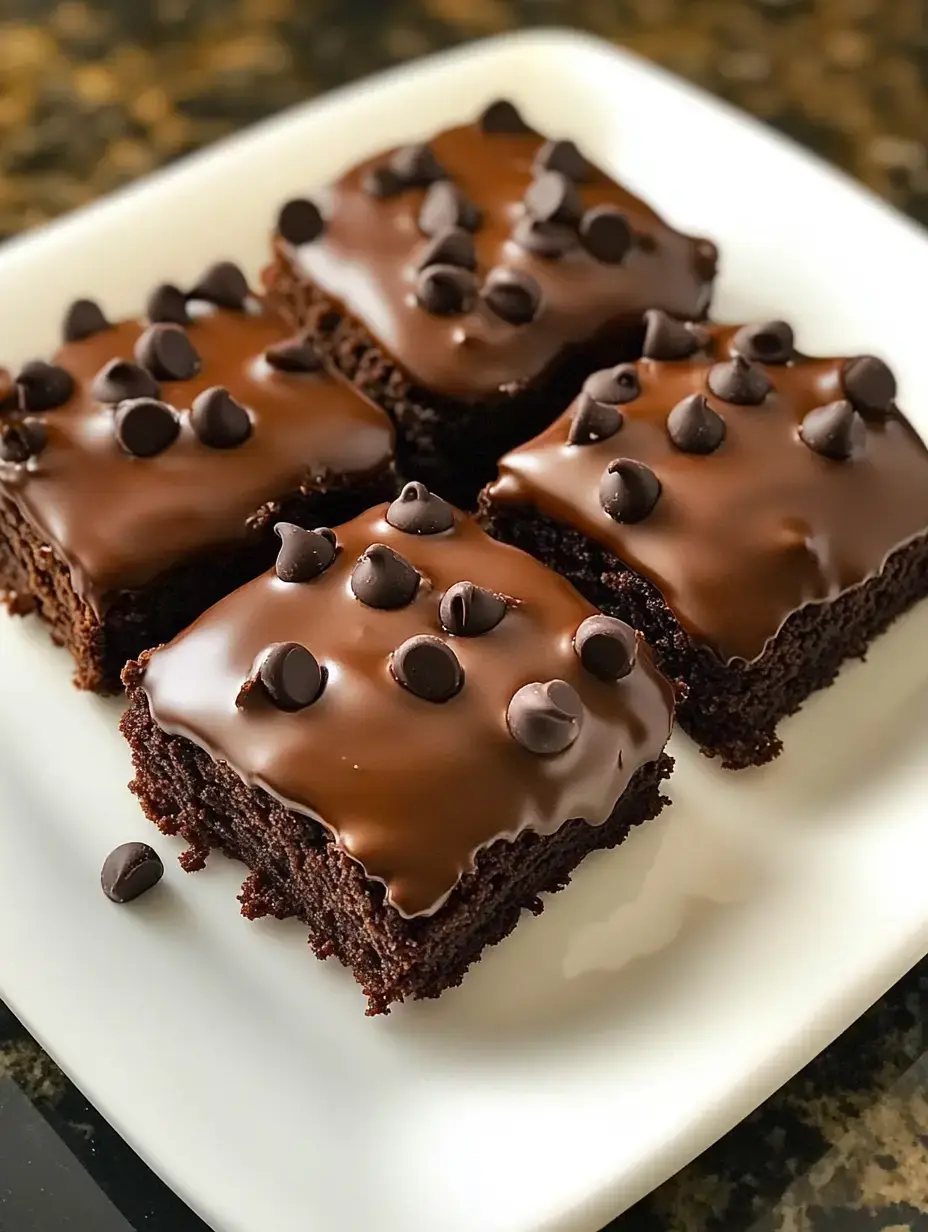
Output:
[[366, 259], [409, 788], [746, 535], [118, 521]]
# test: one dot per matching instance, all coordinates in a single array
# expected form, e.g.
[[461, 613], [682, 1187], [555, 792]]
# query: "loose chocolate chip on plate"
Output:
[[416, 165], [739, 381], [145, 427], [453, 246], [224, 285], [445, 205], [605, 234], [694, 427], [446, 290], [417, 511], [512, 295], [836, 431], [502, 116], [130, 870], [628, 490], [291, 676], [82, 320], [304, 554], [120, 379], [562, 156], [869, 383], [381, 182], [607, 647], [299, 221], [543, 239], [545, 718], [614, 386], [22, 439], [667, 339], [593, 421], [167, 352], [42, 387], [383, 579], [294, 355], [771, 342], [467, 610], [218, 420], [428, 667], [552, 197], [167, 305]]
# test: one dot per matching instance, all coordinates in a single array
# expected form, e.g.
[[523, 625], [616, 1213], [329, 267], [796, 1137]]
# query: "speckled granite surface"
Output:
[[95, 94]]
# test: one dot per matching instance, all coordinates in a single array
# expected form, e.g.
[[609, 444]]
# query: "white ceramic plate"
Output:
[[681, 978]]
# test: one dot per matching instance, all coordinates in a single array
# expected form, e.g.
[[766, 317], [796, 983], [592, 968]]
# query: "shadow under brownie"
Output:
[[759, 515], [408, 733], [468, 285], [141, 472]]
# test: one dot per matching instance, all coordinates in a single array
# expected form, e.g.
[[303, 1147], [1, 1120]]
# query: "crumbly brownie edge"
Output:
[[452, 446], [297, 870], [34, 578], [732, 709]]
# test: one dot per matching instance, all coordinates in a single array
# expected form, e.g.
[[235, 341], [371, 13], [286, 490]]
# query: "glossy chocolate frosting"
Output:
[[411, 788], [744, 535], [118, 520], [367, 255]]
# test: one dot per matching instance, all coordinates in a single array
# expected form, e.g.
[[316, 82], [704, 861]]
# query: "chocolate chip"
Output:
[[446, 290], [614, 386], [543, 239], [145, 426], [218, 420], [545, 718], [605, 234], [22, 439], [593, 421], [553, 198], [502, 116], [167, 305], [706, 260], [667, 339], [294, 355], [291, 676], [416, 165], [82, 320], [836, 431], [42, 387], [740, 381], [417, 511], [167, 352], [428, 667], [453, 246], [383, 579], [300, 221], [562, 156], [607, 647], [224, 285], [869, 383], [120, 379], [628, 490], [129, 871], [512, 295], [446, 206], [304, 554], [381, 182], [768, 343], [694, 427], [467, 610]]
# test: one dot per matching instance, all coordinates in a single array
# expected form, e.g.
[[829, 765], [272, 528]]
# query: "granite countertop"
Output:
[[94, 94]]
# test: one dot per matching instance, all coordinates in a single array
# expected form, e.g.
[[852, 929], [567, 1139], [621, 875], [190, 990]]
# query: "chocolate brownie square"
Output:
[[758, 514], [469, 285], [141, 471], [407, 732]]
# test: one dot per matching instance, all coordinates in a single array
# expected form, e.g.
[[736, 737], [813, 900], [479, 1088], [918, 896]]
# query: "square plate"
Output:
[[681, 978]]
